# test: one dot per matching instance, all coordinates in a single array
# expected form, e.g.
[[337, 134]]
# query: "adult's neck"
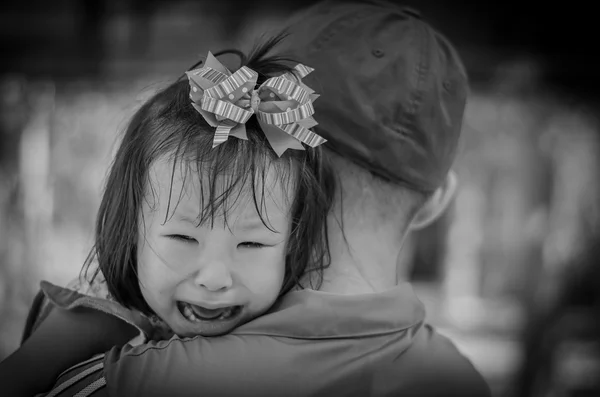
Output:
[[364, 250]]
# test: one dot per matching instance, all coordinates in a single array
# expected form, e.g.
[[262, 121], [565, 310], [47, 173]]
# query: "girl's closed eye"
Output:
[[182, 238], [251, 244]]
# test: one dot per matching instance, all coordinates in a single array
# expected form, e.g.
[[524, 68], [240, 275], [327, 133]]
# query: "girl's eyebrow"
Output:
[[255, 224], [188, 219]]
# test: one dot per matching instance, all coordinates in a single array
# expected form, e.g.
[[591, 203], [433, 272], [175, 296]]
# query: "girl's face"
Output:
[[207, 281]]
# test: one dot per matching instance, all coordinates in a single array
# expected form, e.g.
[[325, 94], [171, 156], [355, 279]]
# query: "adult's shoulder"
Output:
[[433, 366]]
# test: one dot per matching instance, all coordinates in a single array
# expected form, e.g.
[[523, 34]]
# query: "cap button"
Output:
[[412, 12]]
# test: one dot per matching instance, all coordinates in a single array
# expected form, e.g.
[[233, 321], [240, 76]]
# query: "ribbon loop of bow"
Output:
[[283, 105]]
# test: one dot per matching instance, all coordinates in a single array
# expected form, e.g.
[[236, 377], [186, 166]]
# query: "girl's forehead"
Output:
[[181, 184]]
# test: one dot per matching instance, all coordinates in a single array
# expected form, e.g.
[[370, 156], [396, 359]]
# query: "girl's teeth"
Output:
[[187, 311], [226, 313]]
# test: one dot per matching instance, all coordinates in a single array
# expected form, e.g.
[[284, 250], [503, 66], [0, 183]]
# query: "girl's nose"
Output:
[[214, 276]]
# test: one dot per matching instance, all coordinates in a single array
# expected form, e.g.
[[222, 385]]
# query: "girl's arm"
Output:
[[65, 338]]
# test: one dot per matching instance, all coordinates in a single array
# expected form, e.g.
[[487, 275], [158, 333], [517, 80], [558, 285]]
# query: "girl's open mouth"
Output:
[[195, 313]]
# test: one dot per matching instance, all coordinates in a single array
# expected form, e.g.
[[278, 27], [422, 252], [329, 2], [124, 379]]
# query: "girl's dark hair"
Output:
[[168, 125]]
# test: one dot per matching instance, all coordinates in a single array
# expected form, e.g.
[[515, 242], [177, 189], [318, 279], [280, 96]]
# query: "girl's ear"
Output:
[[435, 206]]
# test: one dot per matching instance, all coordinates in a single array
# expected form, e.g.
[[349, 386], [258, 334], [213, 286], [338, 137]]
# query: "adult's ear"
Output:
[[436, 204]]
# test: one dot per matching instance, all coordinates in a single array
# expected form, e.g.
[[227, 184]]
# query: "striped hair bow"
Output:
[[283, 105]]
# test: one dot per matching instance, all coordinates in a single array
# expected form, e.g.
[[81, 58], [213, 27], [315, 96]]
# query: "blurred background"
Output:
[[510, 273]]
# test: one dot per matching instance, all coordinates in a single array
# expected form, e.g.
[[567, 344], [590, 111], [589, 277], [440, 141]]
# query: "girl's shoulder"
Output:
[[94, 294], [96, 288]]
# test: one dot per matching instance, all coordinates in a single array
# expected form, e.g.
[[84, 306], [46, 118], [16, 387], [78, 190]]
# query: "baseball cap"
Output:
[[392, 89]]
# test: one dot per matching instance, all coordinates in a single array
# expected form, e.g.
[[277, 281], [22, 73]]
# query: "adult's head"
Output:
[[393, 93]]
